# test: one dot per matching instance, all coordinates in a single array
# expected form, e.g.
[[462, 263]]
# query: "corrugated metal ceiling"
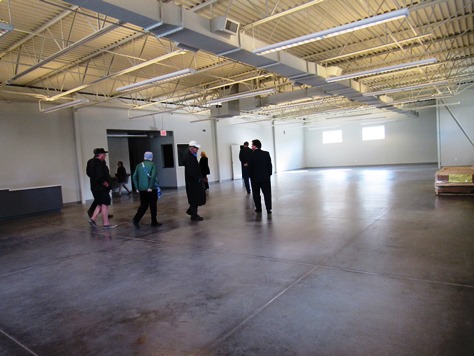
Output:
[[58, 48]]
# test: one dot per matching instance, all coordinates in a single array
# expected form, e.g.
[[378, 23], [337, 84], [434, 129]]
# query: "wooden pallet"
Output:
[[455, 180]]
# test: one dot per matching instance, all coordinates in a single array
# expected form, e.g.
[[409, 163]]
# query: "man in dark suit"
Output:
[[260, 170], [244, 157]]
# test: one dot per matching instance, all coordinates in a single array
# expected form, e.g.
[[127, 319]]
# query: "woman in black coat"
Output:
[[204, 164], [122, 178], [194, 182]]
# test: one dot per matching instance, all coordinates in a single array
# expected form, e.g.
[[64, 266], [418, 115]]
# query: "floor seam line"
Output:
[[220, 339], [60, 259], [18, 343], [394, 276]]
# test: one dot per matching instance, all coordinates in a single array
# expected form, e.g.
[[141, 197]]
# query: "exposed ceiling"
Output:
[[87, 51]]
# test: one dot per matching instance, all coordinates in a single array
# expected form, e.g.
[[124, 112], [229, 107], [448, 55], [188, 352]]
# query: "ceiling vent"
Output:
[[223, 24], [333, 72], [224, 110]]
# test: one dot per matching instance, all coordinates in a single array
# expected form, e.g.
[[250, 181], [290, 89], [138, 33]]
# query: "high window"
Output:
[[373, 133], [332, 136]]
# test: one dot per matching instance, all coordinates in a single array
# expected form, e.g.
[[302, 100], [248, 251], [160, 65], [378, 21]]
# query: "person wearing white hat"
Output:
[[195, 190]]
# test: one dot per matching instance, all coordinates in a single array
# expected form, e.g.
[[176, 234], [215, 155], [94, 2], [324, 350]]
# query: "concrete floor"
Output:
[[363, 261]]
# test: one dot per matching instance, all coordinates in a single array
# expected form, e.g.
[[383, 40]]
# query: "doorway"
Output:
[[130, 146]]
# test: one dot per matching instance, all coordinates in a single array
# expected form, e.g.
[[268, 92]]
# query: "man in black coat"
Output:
[[260, 170], [244, 157], [194, 182]]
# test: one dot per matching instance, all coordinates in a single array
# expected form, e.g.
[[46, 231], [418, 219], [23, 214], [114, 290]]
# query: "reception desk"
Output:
[[15, 203]]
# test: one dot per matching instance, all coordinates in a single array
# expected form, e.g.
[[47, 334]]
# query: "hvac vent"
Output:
[[229, 109], [223, 24], [333, 72]]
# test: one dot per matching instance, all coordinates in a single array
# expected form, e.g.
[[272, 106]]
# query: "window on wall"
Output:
[[332, 136], [373, 133]]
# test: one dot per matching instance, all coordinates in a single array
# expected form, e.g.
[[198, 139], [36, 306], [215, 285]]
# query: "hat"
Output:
[[148, 156], [194, 144], [98, 151]]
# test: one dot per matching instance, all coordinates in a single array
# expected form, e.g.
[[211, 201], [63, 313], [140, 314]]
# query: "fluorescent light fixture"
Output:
[[420, 99], [431, 106], [376, 48], [411, 87], [233, 50], [162, 78], [5, 28], [269, 65], [291, 106], [358, 25], [119, 73], [246, 94], [153, 26], [381, 70], [65, 105]]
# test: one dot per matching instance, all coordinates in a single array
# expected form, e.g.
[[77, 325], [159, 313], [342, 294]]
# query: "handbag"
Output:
[[158, 189]]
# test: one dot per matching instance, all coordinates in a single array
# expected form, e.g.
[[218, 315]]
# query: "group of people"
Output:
[[146, 184], [256, 172]]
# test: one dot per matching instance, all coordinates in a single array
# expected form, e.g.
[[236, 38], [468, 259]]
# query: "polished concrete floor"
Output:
[[362, 261]]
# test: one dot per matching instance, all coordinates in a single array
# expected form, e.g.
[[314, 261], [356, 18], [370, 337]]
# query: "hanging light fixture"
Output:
[[160, 79], [246, 94], [411, 87], [381, 70], [64, 106], [358, 25]]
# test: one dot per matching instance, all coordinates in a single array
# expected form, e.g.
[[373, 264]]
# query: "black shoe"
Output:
[[258, 211], [156, 223], [110, 216], [135, 224], [92, 223], [269, 212], [196, 218], [188, 212]]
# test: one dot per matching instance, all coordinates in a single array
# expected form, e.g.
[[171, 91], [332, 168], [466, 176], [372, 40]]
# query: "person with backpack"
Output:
[[146, 184]]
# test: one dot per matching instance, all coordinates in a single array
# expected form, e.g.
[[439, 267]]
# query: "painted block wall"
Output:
[[38, 149], [409, 140], [456, 127]]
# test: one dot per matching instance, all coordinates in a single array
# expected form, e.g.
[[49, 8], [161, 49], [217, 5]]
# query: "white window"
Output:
[[373, 133], [333, 136]]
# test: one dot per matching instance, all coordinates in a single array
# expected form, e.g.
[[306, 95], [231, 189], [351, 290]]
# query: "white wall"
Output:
[[231, 132], [289, 148], [456, 147], [37, 149], [410, 140], [93, 123]]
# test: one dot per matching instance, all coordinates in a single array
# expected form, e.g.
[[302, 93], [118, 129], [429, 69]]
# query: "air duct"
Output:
[[190, 29]]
